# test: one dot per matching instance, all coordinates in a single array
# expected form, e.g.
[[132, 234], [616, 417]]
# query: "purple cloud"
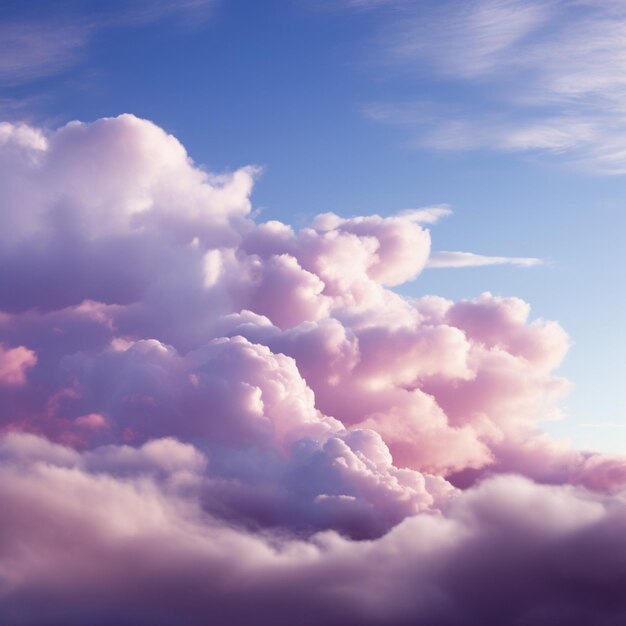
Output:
[[202, 415]]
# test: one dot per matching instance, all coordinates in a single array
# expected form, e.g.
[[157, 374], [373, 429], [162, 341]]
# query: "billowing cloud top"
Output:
[[203, 415]]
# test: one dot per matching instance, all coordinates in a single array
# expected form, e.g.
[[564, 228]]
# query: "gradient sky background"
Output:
[[514, 117]]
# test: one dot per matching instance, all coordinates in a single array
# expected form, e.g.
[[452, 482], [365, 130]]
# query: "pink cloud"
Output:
[[91, 420], [242, 419], [14, 363], [119, 532]]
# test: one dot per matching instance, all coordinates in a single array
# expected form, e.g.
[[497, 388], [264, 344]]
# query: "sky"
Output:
[[377, 107], [321, 283]]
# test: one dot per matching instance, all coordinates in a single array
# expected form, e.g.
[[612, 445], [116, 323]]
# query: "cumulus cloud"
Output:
[[202, 414]]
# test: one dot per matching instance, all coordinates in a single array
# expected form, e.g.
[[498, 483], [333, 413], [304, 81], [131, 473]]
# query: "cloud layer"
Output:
[[205, 415]]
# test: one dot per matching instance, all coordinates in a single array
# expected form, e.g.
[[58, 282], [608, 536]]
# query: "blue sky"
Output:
[[509, 112]]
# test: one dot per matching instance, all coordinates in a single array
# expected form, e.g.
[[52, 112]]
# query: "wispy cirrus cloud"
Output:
[[512, 75], [55, 39]]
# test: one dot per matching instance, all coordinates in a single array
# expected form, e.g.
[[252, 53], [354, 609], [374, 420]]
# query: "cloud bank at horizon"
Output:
[[202, 415]]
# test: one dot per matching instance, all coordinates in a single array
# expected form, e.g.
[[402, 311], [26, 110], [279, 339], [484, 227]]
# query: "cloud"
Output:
[[55, 40], [426, 215], [137, 549], [546, 77], [469, 259], [201, 414], [34, 50], [14, 363]]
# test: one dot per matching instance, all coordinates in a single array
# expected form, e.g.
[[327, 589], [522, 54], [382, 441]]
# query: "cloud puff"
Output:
[[95, 208], [14, 363], [202, 414]]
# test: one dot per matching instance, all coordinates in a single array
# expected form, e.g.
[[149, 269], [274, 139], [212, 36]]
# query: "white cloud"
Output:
[[469, 259], [466, 39], [426, 215], [544, 76]]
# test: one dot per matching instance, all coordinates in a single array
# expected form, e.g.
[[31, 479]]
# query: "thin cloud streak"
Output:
[[469, 259], [426, 215]]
